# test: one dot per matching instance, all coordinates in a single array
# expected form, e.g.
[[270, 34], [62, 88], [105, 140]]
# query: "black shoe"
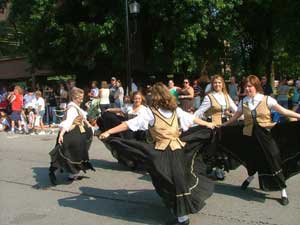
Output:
[[75, 178], [52, 177], [176, 222], [284, 201], [245, 184]]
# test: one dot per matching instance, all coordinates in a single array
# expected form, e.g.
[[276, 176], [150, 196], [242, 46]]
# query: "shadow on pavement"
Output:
[[42, 179], [108, 165], [250, 194], [129, 205]]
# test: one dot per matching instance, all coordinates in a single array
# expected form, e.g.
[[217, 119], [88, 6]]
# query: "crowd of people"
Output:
[[184, 136]]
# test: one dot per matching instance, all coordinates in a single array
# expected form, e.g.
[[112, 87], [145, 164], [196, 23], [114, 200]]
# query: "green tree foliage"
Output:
[[78, 35], [187, 36]]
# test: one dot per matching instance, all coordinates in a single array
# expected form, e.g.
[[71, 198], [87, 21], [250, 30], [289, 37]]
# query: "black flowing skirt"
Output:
[[274, 154], [215, 156], [109, 120], [72, 156], [178, 176]]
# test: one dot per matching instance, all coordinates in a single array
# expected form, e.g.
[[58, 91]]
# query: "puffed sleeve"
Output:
[[186, 119], [232, 105], [141, 121], [71, 115], [271, 102], [205, 105]]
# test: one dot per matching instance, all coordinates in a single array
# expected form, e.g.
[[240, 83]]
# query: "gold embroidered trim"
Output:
[[197, 179], [273, 174]]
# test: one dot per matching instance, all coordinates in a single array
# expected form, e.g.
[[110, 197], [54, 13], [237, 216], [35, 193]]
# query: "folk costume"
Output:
[[72, 155], [110, 119], [213, 109], [172, 159], [272, 150]]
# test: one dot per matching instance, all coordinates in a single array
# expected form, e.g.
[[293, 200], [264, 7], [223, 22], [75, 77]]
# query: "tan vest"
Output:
[[165, 131], [263, 116], [78, 121], [215, 111]]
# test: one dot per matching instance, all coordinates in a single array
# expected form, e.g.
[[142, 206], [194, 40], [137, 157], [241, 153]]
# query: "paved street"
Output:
[[115, 196]]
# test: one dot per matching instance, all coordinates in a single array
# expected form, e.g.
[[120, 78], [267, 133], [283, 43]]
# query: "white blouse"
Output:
[[104, 96], [220, 98], [147, 118], [253, 102], [72, 113]]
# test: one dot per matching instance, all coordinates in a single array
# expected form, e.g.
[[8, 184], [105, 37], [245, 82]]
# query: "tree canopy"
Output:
[[188, 36]]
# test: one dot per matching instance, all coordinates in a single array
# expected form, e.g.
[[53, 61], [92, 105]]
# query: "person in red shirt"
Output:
[[16, 100]]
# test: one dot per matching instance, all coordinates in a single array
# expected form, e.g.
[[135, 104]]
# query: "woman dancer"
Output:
[[115, 116], [71, 150], [171, 160], [217, 107], [271, 151]]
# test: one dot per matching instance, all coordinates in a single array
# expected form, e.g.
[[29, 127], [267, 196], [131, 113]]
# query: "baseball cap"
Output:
[[113, 78]]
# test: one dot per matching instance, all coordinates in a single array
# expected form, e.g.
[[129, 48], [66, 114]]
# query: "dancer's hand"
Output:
[[60, 139], [211, 125], [104, 135]]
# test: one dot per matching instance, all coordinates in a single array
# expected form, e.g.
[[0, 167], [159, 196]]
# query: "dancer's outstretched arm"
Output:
[[117, 129], [286, 112], [234, 118]]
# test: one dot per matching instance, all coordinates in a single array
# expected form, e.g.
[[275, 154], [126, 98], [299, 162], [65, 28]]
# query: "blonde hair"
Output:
[[19, 89], [219, 77], [162, 98], [76, 92], [104, 84], [140, 94], [38, 94]]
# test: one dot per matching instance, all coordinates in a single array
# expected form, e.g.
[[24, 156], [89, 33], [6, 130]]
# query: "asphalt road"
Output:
[[115, 196]]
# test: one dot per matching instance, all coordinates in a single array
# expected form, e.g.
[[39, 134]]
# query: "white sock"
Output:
[[182, 218], [283, 193], [250, 178]]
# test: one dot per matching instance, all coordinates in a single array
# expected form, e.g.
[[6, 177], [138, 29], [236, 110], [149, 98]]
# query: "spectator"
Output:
[[29, 99], [186, 96], [4, 122], [233, 90], [112, 91], [241, 88], [283, 93], [104, 95], [3, 99], [16, 100], [52, 105], [134, 87], [197, 92], [119, 95], [266, 86], [30, 116], [94, 93], [296, 96], [174, 90], [40, 110], [63, 97]]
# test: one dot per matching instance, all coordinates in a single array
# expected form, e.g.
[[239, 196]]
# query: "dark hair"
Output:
[[255, 81]]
